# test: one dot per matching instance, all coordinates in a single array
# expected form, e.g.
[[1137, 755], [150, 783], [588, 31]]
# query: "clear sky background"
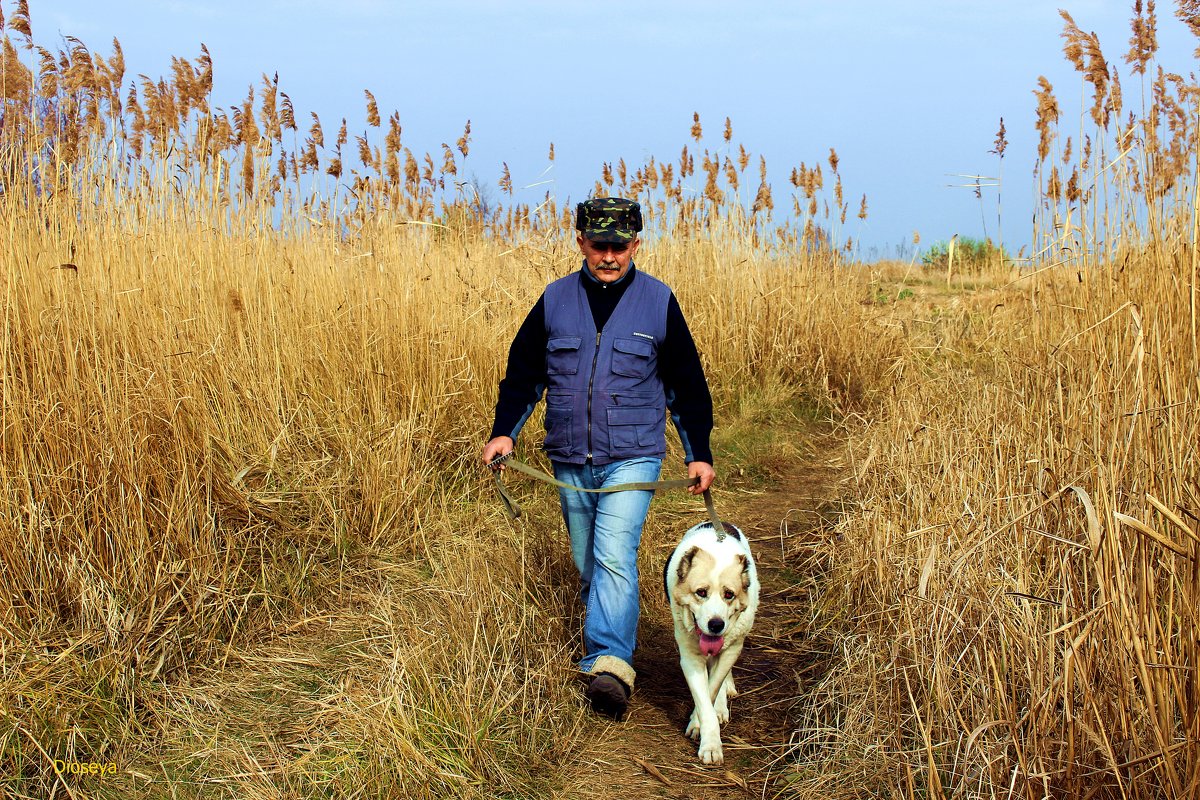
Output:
[[907, 92]]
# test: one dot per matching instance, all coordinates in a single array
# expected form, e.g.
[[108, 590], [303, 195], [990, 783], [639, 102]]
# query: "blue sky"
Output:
[[907, 92]]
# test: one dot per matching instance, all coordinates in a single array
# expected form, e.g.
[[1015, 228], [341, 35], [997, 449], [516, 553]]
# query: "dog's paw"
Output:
[[730, 689], [693, 728], [711, 752]]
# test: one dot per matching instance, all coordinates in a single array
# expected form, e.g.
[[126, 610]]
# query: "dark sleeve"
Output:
[[525, 378], [688, 398]]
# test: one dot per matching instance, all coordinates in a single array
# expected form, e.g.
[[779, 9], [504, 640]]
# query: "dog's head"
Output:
[[713, 587]]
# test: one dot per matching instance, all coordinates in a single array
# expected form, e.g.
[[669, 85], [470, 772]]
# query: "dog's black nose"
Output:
[[716, 625]]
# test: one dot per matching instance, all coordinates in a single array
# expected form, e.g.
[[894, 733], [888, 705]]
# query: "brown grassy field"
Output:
[[242, 526]]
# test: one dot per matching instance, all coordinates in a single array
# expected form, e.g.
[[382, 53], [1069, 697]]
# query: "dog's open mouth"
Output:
[[710, 645]]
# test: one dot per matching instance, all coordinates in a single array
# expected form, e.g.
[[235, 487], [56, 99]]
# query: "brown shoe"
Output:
[[608, 695]]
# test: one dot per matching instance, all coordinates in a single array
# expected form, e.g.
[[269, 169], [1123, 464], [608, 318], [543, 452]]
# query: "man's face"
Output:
[[608, 261]]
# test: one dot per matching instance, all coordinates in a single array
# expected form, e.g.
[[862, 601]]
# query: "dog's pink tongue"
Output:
[[711, 645]]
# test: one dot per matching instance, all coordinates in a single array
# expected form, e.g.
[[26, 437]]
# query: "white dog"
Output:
[[712, 585]]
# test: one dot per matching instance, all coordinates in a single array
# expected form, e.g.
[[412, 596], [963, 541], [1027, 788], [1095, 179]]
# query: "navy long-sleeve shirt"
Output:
[[688, 397]]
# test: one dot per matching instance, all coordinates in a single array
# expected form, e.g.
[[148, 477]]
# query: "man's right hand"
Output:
[[500, 446]]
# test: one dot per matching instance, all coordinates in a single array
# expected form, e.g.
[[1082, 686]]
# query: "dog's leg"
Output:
[[695, 672], [727, 692], [691, 664], [720, 670], [720, 678], [721, 703], [706, 683], [704, 718]]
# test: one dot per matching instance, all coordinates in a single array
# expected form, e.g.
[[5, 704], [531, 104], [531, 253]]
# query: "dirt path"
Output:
[[646, 755]]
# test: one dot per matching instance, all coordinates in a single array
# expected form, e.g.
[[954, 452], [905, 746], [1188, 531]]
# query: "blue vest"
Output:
[[604, 399]]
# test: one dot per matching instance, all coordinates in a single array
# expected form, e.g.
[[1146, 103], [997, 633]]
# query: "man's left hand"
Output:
[[705, 472]]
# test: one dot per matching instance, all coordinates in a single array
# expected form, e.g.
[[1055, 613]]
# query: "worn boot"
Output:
[[608, 694]]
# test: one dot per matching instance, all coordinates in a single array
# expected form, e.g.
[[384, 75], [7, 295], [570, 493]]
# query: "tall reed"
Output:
[[1021, 570]]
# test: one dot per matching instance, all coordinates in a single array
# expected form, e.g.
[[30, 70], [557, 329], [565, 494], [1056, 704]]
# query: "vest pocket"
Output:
[[562, 355], [558, 421], [631, 357], [633, 426]]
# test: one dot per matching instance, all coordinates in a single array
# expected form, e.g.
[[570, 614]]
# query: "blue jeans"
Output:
[[605, 531]]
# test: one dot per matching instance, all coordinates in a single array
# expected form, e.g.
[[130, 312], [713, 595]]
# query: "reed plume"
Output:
[[1143, 43], [372, 109], [19, 22], [1188, 11], [464, 141], [1047, 116]]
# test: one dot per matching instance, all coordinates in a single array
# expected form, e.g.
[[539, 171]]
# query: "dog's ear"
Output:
[[745, 571], [685, 564]]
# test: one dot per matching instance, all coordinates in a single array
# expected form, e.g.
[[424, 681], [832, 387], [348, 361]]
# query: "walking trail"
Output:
[[646, 755]]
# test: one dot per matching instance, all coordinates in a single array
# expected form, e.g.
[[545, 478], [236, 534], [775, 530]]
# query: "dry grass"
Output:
[[1021, 573], [198, 452], [242, 526], [1016, 591], [1021, 568]]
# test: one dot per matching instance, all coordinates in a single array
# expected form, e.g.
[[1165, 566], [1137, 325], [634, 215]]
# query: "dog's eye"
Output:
[[728, 595], [702, 593]]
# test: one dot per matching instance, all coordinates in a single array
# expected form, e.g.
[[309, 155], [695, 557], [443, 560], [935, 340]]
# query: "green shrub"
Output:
[[969, 254]]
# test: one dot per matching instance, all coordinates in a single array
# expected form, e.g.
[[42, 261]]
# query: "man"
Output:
[[610, 347]]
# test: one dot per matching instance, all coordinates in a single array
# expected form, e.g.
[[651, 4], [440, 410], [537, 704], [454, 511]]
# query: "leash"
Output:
[[514, 510]]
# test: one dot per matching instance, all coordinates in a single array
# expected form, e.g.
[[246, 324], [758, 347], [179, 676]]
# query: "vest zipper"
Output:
[[591, 379]]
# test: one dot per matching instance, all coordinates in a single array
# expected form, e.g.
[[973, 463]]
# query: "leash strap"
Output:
[[514, 509]]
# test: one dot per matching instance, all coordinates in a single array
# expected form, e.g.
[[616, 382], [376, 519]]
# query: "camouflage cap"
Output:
[[609, 219]]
